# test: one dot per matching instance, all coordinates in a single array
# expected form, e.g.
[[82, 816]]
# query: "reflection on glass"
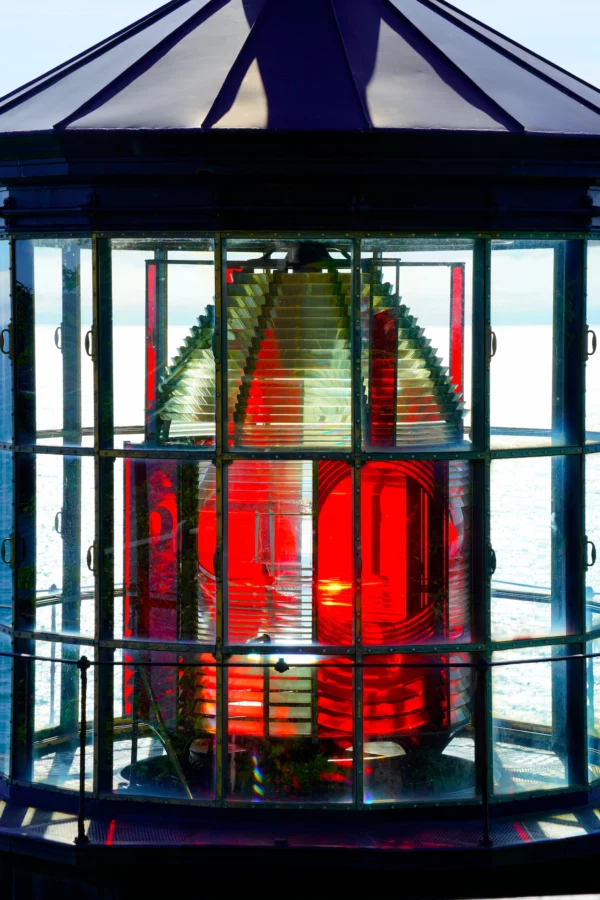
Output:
[[163, 328], [57, 706], [416, 306], [416, 543], [54, 291], [529, 721], [65, 534], [523, 299], [592, 370], [6, 542], [418, 735], [592, 529], [164, 741], [527, 521], [593, 712], [5, 703], [165, 542], [290, 732], [5, 345], [290, 558], [288, 330]]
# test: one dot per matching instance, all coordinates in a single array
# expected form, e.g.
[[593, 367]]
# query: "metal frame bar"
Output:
[[357, 444], [221, 409], [104, 509]]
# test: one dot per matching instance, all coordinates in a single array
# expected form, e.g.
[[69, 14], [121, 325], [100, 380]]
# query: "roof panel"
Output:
[[406, 83], [309, 65], [55, 102], [529, 98], [566, 79], [79, 58], [179, 88], [307, 82]]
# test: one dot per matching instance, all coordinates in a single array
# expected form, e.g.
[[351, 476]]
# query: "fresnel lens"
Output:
[[292, 527]]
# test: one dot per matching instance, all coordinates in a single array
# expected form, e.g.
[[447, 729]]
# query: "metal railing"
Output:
[[481, 666]]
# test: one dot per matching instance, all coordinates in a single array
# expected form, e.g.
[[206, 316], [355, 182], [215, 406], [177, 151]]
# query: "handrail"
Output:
[[482, 667]]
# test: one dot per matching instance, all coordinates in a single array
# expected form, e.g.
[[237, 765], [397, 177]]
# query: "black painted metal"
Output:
[[70, 518], [104, 469], [82, 666]]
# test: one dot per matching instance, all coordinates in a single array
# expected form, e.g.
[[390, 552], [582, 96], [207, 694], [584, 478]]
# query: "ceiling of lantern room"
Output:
[[306, 65]]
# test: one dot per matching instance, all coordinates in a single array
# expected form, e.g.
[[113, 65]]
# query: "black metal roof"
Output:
[[306, 65]]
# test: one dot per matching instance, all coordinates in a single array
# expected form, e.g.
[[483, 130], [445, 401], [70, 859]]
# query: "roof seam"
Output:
[[364, 110], [508, 117], [512, 41], [145, 61], [230, 76], [446, 14], [47, 79]]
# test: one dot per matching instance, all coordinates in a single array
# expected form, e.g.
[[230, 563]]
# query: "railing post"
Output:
[[83, 665], [483, 672]]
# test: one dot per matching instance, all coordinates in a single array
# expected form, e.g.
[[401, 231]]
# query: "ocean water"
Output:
[[522, 525]]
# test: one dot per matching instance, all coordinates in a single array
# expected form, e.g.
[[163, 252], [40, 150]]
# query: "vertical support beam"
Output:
[[24, 342], [188, 486], [568, 504], [220, 345], [357, 442], [481, 500], [482, 270], [155, 338], [71, 506], [104, 511], [162, 323], [23, 547]]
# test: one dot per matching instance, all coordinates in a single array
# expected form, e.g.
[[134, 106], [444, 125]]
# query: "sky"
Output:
[[39, 34]]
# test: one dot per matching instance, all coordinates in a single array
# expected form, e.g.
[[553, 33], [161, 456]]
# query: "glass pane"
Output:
[[592, 528], [416, 552], [163, 327], [5, 703], [5, 339], [164, 738], [523, 299], [529, 721], [419, 742], [290, 732], [288, 330], [65, 534], [290, 561], [164, 550], [57, 708], [416, 316], [6, 528], [592, 371], [593, 712], [54, 281], [528, 513]]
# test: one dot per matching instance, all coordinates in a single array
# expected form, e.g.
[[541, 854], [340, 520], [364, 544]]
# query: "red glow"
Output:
[[287, 566], [230, 272], [151, 341], [384, 350], [522, 832], [457, 327], [110, 835], [408, 545]]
